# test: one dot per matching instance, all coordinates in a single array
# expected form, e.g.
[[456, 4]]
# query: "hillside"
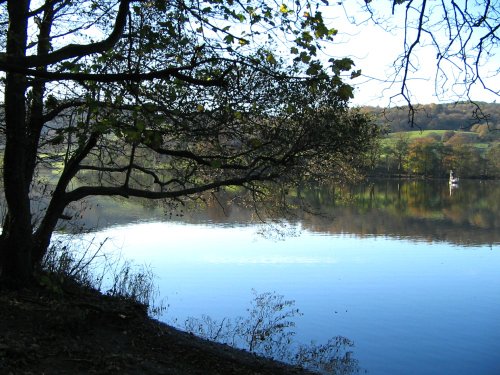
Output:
[[459, 137], [453, 116]]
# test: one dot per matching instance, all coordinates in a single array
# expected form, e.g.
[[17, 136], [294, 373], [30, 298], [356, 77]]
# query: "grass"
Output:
[[418, 134], [473, 138], [86, 264]]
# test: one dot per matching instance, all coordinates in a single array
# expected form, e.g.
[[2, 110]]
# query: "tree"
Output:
[[400, 151], [469, 161], [493, 160], [163, 100], [423, 158]]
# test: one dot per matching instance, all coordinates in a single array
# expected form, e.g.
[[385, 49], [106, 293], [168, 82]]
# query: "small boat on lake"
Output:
[[453, 180]]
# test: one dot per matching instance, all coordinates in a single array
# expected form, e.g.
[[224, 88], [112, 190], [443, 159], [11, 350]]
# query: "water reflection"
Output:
[[268, 329], [416, 210], [421, 210], [387, 264], [407, 305]]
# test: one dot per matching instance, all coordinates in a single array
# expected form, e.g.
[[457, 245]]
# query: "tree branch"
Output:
[[85, 191], [79, 50], [117, 77], [52, 114]]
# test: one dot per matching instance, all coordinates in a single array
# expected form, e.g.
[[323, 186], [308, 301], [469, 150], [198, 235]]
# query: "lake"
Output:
[[407, 270]]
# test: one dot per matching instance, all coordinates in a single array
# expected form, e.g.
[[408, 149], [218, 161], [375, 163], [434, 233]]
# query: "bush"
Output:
[[71, 259]]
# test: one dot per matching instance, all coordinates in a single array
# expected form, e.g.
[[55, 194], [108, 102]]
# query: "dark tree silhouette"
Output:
[[163, 100]]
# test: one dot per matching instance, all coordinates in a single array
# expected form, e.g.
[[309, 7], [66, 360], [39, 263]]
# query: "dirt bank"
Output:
[[84, 332]]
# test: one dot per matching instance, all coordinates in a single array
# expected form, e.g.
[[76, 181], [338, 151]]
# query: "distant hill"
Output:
[[454, 116]]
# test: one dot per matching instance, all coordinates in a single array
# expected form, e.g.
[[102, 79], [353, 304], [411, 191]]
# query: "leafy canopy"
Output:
[[162, 100]]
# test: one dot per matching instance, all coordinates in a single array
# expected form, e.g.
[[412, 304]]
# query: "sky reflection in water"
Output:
[[411, 307]]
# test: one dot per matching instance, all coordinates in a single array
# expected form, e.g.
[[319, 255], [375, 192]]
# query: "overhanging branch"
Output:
[[79, 50], [116, 77], [123, 191]]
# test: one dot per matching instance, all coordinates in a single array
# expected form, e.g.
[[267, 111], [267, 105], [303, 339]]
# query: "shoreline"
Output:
[[85, 332]]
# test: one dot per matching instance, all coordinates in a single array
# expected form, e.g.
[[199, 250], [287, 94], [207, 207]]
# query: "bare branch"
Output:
[[79, 50]]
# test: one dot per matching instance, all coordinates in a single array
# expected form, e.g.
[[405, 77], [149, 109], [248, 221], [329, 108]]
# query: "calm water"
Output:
[[407, 271]]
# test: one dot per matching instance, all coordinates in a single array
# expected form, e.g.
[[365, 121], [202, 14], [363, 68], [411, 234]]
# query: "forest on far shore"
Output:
[[443, 137], [451, 116], [458, 136]]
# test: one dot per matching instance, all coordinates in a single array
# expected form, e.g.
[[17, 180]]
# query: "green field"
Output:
[[470, 138], [420, 134]]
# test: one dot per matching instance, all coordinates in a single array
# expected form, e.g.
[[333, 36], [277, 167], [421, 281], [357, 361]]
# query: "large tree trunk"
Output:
[[16, 244]]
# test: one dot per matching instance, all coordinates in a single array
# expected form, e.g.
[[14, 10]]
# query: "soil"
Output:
[[84, 332]]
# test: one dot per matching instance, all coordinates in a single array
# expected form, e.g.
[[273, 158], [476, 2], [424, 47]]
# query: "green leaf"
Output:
[[140, 125], [344, 64], [132, 135], [215, 163], [332, 32], [255, 142], [314, 68], [306, 37], [355, 73], [345, 92], [305, 58], [270, 58], [153, 138], [321, 30], [57, 140]]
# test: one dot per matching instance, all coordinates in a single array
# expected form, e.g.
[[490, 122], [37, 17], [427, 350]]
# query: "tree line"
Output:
[[463, 137], [449, 116], [435, 154]]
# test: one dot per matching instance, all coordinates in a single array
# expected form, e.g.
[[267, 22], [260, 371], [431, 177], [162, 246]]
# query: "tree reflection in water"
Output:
[[268, 330]]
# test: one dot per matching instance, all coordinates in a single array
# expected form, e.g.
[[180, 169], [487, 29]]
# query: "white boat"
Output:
[[453, 180]]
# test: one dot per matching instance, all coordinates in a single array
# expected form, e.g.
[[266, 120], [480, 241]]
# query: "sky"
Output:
[[374, 50]]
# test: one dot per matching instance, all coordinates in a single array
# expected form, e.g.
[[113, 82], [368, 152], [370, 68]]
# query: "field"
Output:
[[467, 137]]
